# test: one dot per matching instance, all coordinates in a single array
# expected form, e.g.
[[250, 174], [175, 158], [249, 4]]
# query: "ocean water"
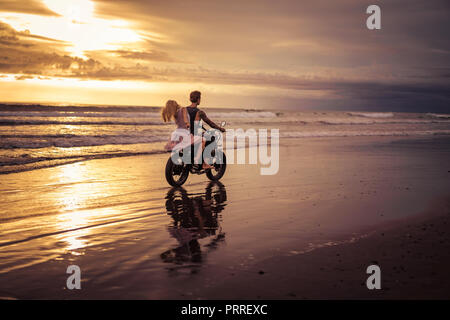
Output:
[[37, 136]]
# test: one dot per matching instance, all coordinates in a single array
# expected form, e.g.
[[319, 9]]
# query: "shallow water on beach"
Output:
[[37, 136]]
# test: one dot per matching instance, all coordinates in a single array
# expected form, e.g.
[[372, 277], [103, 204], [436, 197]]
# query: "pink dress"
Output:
[[181, 137]]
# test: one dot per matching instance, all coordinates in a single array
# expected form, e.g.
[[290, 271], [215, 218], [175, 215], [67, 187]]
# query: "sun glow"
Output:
[[78, 26], [77, 10]]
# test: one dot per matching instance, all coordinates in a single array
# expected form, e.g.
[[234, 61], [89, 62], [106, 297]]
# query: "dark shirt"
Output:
[[194, 112]]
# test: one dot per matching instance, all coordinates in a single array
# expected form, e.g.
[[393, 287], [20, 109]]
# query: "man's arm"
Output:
[[202, 116], [185, 118]]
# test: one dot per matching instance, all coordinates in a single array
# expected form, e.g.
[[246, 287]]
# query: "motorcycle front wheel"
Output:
[[218, 169]]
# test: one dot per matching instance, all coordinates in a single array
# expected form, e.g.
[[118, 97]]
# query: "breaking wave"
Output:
[[372, 114]]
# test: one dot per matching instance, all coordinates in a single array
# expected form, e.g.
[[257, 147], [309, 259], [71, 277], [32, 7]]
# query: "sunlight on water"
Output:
[[70, 200]]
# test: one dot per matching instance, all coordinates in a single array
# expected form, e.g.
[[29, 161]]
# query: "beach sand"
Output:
[[335, 207]]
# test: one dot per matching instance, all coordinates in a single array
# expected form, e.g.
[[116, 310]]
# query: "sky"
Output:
[[285, 54]]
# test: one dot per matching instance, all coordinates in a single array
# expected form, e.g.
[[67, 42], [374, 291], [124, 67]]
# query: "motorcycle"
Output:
[[178, 169]]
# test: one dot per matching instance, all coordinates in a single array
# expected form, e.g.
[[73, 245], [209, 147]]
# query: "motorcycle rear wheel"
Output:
[[176, 174]]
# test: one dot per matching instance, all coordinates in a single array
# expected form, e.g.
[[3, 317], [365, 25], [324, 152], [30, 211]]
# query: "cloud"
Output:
[[25, 53], [299, 47], [150, 55], [26, 6], [263, 34], [9, 36], [23, 77]]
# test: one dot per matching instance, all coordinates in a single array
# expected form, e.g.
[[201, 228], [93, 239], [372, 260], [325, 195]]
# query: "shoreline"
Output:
[[158, 149]]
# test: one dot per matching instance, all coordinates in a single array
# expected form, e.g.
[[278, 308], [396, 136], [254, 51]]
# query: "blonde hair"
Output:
[[170, 110]]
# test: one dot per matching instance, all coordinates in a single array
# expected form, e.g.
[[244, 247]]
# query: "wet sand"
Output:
[[413, 256], [335, 207]]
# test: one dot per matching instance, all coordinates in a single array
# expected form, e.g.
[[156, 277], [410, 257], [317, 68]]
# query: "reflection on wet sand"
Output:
[[195, 216]]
